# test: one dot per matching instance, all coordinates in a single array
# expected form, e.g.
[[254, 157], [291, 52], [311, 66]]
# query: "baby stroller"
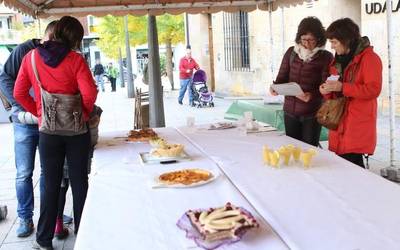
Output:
[[201, 96]]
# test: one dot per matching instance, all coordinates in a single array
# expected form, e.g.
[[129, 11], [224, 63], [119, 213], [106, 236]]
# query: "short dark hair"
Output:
[[69, 31], [50, 28], [314, 26], [345, 30]]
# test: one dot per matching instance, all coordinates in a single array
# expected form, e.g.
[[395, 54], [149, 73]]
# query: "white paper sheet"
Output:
[[287, 89]]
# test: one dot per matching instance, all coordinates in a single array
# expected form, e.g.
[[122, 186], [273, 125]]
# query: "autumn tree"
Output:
[[170, 32], [112, 36]]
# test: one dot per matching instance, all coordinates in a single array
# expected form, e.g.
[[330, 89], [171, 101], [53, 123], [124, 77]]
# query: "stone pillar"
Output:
[[156, 103], [131, 87]]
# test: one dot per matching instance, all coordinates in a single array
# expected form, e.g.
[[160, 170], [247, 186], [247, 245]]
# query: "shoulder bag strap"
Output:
[[33, 61]]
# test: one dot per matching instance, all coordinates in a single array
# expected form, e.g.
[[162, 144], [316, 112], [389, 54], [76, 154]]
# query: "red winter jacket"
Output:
[[71, 76], [357, 130], [186, 64]]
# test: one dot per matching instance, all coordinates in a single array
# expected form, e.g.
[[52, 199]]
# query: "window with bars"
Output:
[[236, 41]]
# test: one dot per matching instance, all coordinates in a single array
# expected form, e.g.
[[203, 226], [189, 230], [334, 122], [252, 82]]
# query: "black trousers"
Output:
[[354, 158], [62, 198], [53, 150], [113, 82], [302, 128]]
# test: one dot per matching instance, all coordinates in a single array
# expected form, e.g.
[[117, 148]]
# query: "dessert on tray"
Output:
[[227, 222], [221, 125], [141, 135], [185, 177], [168, 150], [158, 142]]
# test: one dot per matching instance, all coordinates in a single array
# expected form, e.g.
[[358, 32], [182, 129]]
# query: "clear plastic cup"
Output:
[[190, 123], [248, 116]]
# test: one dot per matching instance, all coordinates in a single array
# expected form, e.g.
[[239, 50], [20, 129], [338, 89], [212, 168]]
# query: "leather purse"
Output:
[[331, 112], [61, 113]]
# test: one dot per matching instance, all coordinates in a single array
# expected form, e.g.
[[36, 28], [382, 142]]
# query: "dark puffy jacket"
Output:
[[10, 72], [98, 69], [309, 75]]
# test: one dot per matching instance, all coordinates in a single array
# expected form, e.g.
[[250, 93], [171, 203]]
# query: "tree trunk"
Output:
[[168, 63]]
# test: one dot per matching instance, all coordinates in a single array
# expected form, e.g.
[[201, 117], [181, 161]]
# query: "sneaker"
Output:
[[60, 232], [180, 102], [25, 228], [3, 212], [67, 219], [36, 245]]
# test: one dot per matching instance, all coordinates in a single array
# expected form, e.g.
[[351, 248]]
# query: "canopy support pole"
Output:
[[121, 69], [283, 30], [156, 103], [392, 172], [271, 40], [187, 30], [131, 87], [211, 52]]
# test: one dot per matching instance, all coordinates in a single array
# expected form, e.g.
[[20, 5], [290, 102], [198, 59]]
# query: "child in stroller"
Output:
[[201, 96]]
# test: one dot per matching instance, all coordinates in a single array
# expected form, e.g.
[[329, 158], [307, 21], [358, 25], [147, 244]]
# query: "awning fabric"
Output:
[[47, 8]]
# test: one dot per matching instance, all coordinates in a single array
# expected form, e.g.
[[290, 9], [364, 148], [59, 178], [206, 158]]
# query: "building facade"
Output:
[[374, 25], [248, 47]]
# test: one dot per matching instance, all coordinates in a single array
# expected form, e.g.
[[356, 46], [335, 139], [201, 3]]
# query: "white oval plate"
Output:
[[156, 183]]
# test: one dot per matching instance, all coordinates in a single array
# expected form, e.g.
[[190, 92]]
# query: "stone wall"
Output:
[[264, 58]]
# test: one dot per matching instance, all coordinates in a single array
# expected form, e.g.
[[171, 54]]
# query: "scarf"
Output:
[[305, 54], [342, 61]]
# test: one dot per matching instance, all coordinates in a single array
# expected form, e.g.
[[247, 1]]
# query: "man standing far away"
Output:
[[186, 66], [98, 74], [26, 134], [112, 75]]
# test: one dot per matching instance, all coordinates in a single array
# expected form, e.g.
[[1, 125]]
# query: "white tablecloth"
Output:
[[122, 211], [334, 205]]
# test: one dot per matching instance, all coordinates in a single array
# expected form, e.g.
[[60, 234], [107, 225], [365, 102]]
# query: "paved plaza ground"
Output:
[[118, 115]]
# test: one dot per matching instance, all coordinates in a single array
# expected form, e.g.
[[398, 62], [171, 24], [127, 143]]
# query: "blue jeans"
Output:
[[26, 139], [99, 81], [186, 83]]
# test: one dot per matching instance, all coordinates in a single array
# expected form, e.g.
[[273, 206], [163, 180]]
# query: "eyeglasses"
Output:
[[310, 40]]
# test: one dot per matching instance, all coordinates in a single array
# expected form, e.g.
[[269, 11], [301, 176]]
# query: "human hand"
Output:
[[333, 86], [188, 71], [272, 92], [323, 90], [305, 97]]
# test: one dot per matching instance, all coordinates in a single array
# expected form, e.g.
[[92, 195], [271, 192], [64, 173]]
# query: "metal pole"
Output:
[[131, 88], [211, 51], [392, 172], [392, 102], [283, 30], [121, 69], [156, 103], [271, 40], [390, 78], [187, 30]]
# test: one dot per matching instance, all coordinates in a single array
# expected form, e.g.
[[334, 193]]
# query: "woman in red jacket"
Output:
[[61, 71], [306, 63], [360, 71]]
